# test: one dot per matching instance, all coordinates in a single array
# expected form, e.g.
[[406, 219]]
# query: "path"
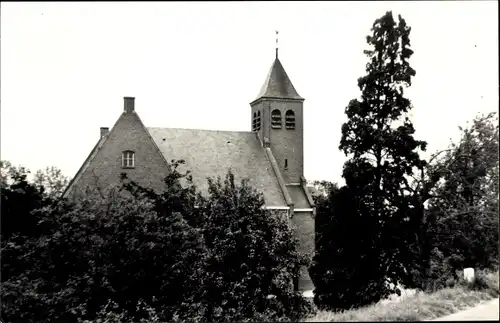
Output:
[[487, 311]]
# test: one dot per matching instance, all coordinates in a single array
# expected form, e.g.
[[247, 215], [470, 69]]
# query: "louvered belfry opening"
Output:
[[276, 119], [290, 120], [256, 121]]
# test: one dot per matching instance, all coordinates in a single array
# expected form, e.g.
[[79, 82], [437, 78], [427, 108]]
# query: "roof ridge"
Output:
[[238, 131]]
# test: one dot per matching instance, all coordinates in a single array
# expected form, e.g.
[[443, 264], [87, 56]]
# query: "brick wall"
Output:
[[285, 143], [105, 168]]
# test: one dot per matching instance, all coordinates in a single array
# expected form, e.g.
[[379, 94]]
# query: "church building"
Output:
[[270, 156]]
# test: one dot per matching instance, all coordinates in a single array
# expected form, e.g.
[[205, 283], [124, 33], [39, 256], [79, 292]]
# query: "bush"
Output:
[[345, 269], [136, 255], [485, 280], [100, 250], [252, 253], [18, 199]]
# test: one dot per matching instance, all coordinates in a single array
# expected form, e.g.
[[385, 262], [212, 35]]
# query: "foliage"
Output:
[[463, 215], [371, 212], [51, 181], [252, 254], [421, 307], [116, 249], [342, 251], [19, 197], [323, 188], [135, 254]]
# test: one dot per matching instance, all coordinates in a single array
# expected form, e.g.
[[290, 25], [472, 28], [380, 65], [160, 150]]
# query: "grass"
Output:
[[421, 306]]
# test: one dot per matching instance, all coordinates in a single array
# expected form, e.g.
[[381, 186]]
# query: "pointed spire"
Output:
[[277, 84]]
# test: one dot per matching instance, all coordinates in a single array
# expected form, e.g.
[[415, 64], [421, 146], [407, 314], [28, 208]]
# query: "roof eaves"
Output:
[[265, 98], [85, 165]]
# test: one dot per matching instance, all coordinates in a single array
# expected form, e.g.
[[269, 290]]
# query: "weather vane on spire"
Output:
[[277, 32]]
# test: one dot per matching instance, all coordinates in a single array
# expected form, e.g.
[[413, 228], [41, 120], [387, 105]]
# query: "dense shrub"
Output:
[[134, 254], [19, 197], [114, 249], [345, 268], [252, 254]]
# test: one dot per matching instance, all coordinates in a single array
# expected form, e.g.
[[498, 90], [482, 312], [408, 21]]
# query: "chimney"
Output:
[[128, 104], [104, 131]]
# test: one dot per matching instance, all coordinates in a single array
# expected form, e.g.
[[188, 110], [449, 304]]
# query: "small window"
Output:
[[258, 121], [286, 163], [290, 120], [128, 159], [276, 119]]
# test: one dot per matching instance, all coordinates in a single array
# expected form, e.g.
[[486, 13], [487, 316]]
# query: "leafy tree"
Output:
[[52, 180], [378, 139], [462, 217], [117, 248], [323, 217], [169, 256], [252, 254], [18, 199], [467, 171], [321, 189]]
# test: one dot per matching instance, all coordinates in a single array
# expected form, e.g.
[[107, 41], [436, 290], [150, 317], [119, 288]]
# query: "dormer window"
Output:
[[128, 159], [276, 119], [290, 120]]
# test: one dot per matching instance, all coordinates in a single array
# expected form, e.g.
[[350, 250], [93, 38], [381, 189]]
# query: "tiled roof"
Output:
[[298, 196], [278, 84], [211, 153]]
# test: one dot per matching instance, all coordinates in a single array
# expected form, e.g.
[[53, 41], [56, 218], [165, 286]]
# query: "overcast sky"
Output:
[[65, 68]]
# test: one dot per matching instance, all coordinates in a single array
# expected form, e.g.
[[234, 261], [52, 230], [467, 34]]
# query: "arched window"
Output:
[[276, 119], [290, 120], [128, 159], [258, 121], [254, 121]]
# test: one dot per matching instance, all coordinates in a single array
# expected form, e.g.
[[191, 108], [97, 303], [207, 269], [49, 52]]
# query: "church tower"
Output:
[[278, 120], [277, 117]]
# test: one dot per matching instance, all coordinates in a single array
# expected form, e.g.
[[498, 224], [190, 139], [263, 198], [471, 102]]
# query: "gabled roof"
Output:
[[85, 164], [209, 153], [277, 84]]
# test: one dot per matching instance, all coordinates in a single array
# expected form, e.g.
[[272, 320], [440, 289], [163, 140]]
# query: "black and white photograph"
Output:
[[249, 161]]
